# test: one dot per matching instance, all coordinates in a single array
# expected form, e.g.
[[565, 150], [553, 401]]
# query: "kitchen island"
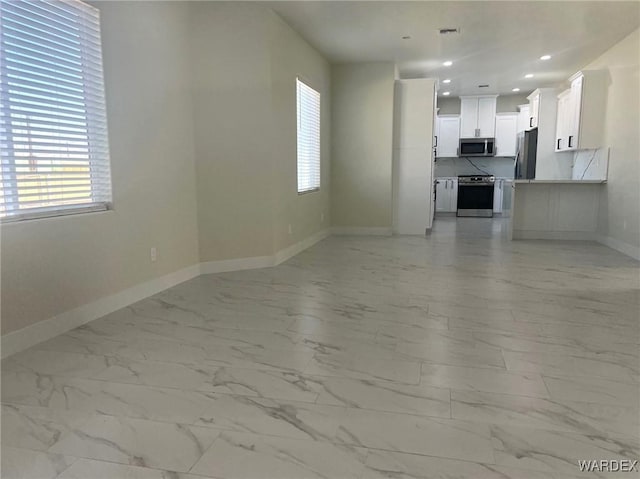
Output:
[[555, 209]]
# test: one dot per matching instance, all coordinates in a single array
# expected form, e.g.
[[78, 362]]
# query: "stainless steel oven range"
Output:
[[475, 195]]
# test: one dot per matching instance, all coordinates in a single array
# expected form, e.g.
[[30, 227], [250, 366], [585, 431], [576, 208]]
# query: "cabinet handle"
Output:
[[558, 143], [436, 137], [530, 122], [477, 132], [570, 138]]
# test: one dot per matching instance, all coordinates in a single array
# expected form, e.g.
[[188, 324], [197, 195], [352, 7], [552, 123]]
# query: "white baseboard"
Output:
[[621, 246], [237, 264], [554, 235], [361, 231], [290, 251], [24, 338]]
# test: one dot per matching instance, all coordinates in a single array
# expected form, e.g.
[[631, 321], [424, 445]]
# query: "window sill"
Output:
[[315, 190], [69, 211]]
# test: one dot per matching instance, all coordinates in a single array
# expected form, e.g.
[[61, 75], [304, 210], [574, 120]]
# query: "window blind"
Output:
[[53, 129], [308, 127]]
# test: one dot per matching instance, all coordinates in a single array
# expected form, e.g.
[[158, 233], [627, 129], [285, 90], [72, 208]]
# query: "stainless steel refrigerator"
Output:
[[526, 155]]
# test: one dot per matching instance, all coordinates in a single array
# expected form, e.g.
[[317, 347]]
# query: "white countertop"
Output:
[[560, 182]]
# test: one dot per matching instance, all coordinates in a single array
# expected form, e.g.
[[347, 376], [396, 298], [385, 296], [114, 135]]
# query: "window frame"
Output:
[[304, 81], [90, 96]]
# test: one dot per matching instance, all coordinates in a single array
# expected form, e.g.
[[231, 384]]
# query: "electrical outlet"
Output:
[[290, 230], [154, 254]]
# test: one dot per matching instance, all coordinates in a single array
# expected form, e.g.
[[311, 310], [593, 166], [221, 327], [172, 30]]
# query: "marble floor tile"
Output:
[[92, 469], [28, 464], [556, 451], [267, 416], [385, 464], [452, 353], [594, 390], [137, 442], [483, 379], [495, 326], [572, 416], [272, 384], [348, 328], [250, 456], [424, 335], [383, 396], [37, 428], [608, 366], [365, 367], [116, 399], [449, 438]]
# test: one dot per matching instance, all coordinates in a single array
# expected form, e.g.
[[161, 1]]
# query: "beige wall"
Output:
[[53, 265], [362, 135], [245, 64], [290, 57], [232, 112], [620, 201]]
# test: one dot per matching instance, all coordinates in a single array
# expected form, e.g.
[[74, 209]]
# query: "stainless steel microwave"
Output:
[[477, 147]]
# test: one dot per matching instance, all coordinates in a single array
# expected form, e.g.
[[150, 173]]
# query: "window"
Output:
[[308, 138], [53, 128]]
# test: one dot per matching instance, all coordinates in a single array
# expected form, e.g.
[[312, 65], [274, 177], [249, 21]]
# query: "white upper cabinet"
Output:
[[477, 116], [564, 119], [506, 133], [534, 109], [447, 136], [581, 111], [523, 117]]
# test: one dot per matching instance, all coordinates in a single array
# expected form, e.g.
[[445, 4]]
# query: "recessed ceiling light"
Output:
[[529, 75], [448, 63], [406, 37], [516, 89], [446, 93], [446, 81], [545, 57]]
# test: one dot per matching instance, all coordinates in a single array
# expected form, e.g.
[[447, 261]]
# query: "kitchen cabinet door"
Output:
[[564, 117], [487, 117], [446, 195], [498, 189], [523, 118], [448, 136], [477, 116], [534, 109], [443, 199], [506, 133], [573, 113], [453, 205], [583, 112], [468, 117]]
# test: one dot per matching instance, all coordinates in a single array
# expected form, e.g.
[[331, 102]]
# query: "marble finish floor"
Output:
[[458, 355]]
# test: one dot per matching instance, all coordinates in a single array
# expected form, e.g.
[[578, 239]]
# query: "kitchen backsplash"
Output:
[[499, 167], [589, 164]]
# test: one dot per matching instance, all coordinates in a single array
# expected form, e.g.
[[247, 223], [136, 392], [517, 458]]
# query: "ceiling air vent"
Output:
[[483, 86], [447, 31]]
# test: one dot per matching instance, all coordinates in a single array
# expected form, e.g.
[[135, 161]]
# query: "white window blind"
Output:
[[53, 128], [308, 138]]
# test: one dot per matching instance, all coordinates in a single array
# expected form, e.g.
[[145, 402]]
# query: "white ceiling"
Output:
[[499, 42]]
